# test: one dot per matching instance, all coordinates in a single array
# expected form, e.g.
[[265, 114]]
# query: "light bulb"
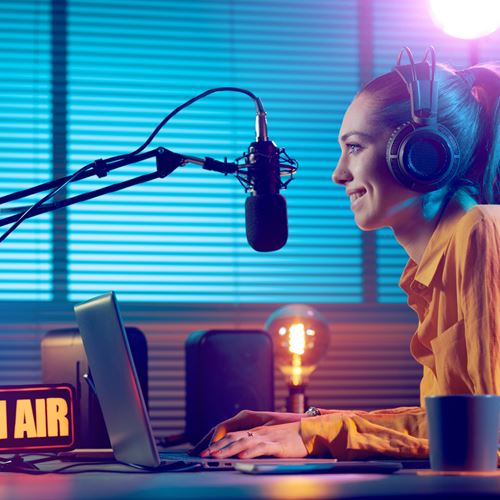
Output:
[[466, 19], [300, 339]]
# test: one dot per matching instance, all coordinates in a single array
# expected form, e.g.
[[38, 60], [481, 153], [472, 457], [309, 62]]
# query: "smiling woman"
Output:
[[362, 167], [439, 193]]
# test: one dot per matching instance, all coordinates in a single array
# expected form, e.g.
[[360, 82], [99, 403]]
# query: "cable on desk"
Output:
[[19, 465]]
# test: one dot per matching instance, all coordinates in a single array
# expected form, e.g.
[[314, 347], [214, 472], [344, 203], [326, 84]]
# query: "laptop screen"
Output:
[[116, 381]]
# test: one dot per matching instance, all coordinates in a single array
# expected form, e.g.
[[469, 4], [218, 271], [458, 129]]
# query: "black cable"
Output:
[[18, 465], [4, 458], [174, 467], [257, 101], [18, 458], [114, 159], [40, 202]]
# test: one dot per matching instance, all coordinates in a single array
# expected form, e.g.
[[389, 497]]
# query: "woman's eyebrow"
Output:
[[345, 136]]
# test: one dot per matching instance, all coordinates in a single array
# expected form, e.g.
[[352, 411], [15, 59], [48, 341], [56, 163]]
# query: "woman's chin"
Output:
[[367, 223]]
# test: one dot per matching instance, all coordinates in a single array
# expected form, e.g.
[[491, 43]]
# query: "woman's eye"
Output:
[[353, 148]]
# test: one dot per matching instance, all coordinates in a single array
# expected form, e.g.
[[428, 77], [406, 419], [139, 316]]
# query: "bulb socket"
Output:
[[296, 402]]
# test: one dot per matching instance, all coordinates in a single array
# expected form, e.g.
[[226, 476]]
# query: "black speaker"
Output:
[[64, 361], [226, 371]]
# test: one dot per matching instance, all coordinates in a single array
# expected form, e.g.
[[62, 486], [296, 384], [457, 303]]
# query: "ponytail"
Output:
[[484, 82]]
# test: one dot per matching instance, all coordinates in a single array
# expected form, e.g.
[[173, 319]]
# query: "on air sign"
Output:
[[36, 418]]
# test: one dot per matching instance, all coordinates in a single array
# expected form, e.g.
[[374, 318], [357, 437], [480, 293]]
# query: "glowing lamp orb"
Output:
[[466, 19]]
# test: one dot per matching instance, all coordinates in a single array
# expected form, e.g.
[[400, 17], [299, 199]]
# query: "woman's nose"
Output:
[[340, 174]]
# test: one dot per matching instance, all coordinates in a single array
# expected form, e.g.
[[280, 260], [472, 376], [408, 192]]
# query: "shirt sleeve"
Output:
[[480, 302], [348, 435]]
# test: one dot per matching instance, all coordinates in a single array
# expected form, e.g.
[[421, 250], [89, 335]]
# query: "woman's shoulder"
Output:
[[479, 217], [477, 234]]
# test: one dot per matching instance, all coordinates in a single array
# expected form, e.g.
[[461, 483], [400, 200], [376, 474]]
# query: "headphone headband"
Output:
[[422, 154], [423, 89]]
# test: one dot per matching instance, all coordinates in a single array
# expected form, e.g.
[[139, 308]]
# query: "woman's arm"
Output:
[[480, 303], [342, 434], [399, 432]]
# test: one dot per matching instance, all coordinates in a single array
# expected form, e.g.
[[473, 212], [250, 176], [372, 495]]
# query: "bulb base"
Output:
[[296, 402]]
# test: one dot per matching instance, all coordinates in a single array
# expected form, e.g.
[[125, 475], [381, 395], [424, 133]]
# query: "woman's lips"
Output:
[[355, 195]]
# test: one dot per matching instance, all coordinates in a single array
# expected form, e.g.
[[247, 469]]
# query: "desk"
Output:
[[223, 485]]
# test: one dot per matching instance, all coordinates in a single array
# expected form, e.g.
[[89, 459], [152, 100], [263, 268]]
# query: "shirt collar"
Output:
[[425, 271]]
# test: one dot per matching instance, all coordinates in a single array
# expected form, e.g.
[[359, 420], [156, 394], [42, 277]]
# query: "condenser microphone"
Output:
[[261, 174], [266, 218]]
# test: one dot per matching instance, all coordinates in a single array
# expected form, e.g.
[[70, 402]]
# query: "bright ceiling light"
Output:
[[466, 19]]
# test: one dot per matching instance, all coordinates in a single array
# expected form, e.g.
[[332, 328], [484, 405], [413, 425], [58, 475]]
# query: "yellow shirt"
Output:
[[455, 291]]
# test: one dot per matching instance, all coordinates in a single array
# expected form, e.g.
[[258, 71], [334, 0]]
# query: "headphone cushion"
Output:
[[422, 158]]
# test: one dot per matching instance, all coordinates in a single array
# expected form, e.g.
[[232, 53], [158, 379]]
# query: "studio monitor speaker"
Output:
[[64, 361], [226, 371]]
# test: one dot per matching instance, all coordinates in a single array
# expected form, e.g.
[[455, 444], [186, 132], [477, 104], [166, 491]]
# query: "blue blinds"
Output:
[[183, 238], [25, 142], [396, 24]]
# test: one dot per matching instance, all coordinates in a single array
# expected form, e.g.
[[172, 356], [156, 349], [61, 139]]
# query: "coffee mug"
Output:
[[463, 431]]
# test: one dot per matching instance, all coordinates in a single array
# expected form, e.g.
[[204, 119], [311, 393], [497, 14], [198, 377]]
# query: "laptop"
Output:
[[122, 403]]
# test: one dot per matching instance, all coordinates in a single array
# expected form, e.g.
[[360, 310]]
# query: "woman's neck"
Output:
[[415, 231]]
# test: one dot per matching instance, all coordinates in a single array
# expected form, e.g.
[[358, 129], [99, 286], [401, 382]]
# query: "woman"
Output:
[[452, 278]]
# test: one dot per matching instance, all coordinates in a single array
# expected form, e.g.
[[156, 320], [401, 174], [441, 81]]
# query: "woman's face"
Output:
[[377, 199]]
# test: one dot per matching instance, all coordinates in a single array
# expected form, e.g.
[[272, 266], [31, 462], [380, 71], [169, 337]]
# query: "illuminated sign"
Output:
[[36, 418]]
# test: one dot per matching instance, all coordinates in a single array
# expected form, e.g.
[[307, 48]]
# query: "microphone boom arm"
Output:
[[166, 162]]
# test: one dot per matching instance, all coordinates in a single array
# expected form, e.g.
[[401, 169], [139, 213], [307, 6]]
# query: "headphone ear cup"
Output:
[[422, 159]]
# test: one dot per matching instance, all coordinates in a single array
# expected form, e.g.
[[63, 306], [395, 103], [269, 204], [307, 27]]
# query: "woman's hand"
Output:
[[279, 440], [248, 419]]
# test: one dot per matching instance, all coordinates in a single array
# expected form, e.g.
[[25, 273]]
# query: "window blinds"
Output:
[[183, 238], [25, 142]]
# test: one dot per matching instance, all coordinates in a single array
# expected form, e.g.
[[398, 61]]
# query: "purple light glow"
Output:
[[467, 19]]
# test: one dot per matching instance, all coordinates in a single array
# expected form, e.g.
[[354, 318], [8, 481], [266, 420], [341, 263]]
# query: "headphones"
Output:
[[422, 154]]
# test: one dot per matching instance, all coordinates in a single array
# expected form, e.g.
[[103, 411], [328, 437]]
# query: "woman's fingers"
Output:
[[218, 444], [279, 441], [231, 445], [259, 449], [220, 431], [202, 443], [244, 420]]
